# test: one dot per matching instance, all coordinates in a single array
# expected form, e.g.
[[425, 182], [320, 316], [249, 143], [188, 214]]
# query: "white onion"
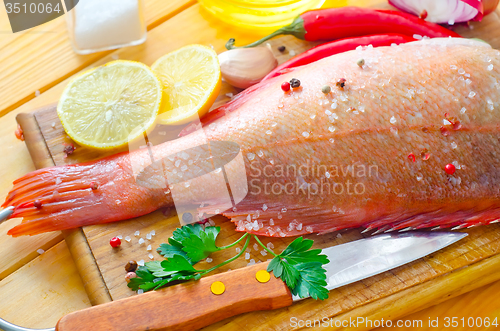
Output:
[[442, 11]]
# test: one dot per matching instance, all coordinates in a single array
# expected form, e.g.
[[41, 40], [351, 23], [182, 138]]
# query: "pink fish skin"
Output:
[[370, 154]]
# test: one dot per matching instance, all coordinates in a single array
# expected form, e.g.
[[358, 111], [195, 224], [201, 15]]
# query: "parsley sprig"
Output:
[[299, 266]]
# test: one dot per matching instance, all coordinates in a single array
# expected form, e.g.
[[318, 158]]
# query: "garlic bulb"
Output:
[[244, 67]]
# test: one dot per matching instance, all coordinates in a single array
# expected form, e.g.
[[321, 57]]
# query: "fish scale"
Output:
[[400, 103]]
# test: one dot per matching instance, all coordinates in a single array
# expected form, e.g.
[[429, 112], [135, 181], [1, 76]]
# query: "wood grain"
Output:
[[173, 308], [16, 160], [42, 57], [47, 288], [54, 93]]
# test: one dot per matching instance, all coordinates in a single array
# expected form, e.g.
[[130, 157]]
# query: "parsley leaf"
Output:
[[173, 247], [301, 269], [144, 277], [191, 241], [178, 263], [200, 246]]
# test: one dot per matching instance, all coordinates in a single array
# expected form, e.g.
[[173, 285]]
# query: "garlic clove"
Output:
[[244, 67]]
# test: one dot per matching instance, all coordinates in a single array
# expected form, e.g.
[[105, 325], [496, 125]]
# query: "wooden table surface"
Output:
[[36, 290]]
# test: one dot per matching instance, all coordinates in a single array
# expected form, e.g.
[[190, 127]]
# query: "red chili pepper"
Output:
[[337, 23], [336, 47]]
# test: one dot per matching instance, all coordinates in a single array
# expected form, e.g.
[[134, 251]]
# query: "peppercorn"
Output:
[[94, 186], [285, 86], [326, 89], [115, 242], [37, 204], [69, 149], [281, 49], [131, 266], [294, 82], [341, 83], [450, 169], [129, 276], [361, 63]]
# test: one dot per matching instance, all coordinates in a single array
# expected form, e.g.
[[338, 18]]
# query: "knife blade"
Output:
[[193, 305]]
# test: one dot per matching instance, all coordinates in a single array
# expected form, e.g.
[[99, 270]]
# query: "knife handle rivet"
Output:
[[217, 288], [263, 276]]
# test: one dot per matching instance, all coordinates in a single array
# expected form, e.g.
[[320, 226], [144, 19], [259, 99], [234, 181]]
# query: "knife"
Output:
[[195, 304]]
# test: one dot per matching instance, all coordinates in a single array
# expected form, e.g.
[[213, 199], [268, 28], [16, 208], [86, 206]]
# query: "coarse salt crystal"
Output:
[[271, 222], [252, 262], [250, 156], [453, 145], [472, 94], [270, 245], [37, 93], [140, 291], [238, 250], [53, 125], [119, 237], [264, 207], [229, 95], [490, 67], [393, 120], [463, 110], [58, 181], [137, 233], [453, 67], [247, 256], [292, 52], [151, 256], [141, 241], [153, 232], [209, 260], [148, 236], [339, 235], [327, 174], [140, 263], [149, 248], [305, 134], [461, 71], [263, 252], [127, 239], [40, 251]]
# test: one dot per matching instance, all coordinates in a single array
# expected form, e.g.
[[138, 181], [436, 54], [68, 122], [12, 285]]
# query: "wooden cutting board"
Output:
[[471, 263]]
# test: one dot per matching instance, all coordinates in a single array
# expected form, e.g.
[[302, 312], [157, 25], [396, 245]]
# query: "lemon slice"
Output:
[[191, 81], [108, 106]]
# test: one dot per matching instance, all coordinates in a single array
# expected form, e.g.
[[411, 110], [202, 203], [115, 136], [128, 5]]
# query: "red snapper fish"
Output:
[[407, 141]]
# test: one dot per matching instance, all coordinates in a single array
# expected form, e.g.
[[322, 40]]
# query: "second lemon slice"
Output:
[[191, 82]]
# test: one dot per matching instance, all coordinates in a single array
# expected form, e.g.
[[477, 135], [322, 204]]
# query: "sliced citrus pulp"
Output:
[[108, 106], [191, 81]]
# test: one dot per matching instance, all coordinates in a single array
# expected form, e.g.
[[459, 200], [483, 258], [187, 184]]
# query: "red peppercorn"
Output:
[[411, 156], [115, 242], [94, 186], [450, 169], [37, 204], [285, 86]]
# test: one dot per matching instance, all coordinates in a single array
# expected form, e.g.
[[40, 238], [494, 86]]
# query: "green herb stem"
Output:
[[204, 272], [264, 246], [235, 243]]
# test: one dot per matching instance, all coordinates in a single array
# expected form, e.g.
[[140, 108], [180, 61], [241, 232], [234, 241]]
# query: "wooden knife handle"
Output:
[[187, 306]]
